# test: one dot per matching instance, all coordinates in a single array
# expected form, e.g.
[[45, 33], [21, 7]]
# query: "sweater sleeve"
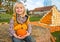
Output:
[[11, 25], [29, 28], [29, 25]]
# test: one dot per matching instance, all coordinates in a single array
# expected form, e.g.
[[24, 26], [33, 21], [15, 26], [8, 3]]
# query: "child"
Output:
[[16, 23]]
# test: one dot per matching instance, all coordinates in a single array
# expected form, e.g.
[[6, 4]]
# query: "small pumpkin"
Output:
[[24, 26], [17, 27], [21, 29], [21, 32]]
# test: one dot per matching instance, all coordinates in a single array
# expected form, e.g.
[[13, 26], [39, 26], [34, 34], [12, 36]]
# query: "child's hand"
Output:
[[27, 34], [21, 37], [18, 37]]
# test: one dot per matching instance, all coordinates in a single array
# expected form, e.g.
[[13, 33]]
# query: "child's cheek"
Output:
[[16, 10]]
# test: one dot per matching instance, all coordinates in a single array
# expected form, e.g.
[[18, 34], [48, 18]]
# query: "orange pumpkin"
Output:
[[21, 32], [21, 29]]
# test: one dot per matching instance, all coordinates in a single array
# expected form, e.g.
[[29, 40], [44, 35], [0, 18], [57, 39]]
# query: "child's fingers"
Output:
[[19, 35]]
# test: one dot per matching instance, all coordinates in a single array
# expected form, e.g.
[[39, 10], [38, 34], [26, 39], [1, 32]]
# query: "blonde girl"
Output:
[[18, 19]]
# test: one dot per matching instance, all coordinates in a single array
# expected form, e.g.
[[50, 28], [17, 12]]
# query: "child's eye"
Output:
[[17, 7], [21, 7]]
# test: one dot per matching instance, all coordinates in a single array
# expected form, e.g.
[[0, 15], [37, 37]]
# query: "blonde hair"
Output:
[[14, 7]]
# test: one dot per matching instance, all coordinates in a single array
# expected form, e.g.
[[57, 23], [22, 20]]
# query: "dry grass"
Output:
[[4, 37]]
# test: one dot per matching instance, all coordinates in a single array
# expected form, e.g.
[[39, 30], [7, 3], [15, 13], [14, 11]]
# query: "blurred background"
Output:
[[36, 9]]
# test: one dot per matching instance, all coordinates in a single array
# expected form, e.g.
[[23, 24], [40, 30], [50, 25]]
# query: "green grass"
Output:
[[5, 17], [57, 35], [35, 18]]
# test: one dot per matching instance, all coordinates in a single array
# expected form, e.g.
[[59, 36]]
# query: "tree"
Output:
[[0, 3], [27, 12]]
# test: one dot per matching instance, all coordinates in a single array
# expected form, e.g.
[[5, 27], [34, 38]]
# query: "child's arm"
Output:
[[29, 28], [11, 31]]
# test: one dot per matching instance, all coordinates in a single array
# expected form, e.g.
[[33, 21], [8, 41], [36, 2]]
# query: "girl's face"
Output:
[[20, 9]]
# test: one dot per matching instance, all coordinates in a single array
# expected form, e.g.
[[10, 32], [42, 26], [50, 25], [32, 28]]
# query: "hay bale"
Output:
[[41, 34]]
